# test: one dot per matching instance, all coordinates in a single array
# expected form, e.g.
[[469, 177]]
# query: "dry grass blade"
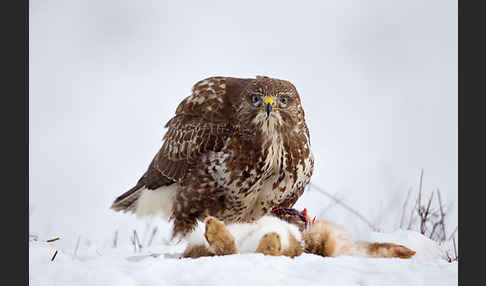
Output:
[[54, 256], [152, 236], [77, 246], [136, 241], [115, 239], [132, 240], [455, 249], [52, 240]]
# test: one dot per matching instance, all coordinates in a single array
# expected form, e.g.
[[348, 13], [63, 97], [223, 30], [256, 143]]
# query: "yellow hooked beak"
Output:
[[268, 105]]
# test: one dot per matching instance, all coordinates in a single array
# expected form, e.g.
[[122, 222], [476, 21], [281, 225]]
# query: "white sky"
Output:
[[378, 81]]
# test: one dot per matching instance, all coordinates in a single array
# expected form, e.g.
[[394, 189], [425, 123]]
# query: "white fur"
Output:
[[196, 237], [157, 201], [248, 235]]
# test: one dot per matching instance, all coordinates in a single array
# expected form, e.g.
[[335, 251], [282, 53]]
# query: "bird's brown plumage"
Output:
[[225, 155]]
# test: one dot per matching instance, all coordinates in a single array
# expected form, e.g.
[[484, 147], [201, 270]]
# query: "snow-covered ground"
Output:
[[160, 265]]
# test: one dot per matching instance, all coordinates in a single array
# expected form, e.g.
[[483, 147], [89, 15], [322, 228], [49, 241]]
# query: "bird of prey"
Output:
[[235, 149]]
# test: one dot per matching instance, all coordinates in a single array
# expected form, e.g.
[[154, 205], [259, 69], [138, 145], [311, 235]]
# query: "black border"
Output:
[[471, 78], [460, 113], [15, 141]]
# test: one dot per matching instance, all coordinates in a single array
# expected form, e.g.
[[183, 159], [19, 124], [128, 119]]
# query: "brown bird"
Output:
[[235, 149]]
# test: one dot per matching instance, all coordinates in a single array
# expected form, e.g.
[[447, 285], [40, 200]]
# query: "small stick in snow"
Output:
[[52, 240], [54, 256]]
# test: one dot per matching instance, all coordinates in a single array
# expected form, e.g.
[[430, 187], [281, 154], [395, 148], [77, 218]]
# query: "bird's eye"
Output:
[[283, 101], [255, 99]]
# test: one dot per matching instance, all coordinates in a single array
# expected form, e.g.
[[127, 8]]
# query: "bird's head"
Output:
[[270, 104]]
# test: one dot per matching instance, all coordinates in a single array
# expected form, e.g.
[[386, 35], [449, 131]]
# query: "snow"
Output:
[[160, 265]]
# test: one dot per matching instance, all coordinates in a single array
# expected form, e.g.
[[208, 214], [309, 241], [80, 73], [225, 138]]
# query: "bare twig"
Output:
[[431, 220], [442, 216], [434, 227], [424, 215], [452, 234], [356, 213]]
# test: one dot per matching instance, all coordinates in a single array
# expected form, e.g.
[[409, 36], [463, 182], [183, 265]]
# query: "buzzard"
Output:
[[235, 149]]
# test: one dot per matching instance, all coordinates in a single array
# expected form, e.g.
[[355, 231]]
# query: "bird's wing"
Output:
[[187, 138], [201, 124]]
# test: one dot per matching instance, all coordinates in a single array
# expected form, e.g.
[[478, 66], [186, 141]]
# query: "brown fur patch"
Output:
[[218, 237], [319, 240], [270, 244]]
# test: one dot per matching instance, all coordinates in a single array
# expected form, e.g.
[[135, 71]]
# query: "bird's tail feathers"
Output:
[[127, 202]]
